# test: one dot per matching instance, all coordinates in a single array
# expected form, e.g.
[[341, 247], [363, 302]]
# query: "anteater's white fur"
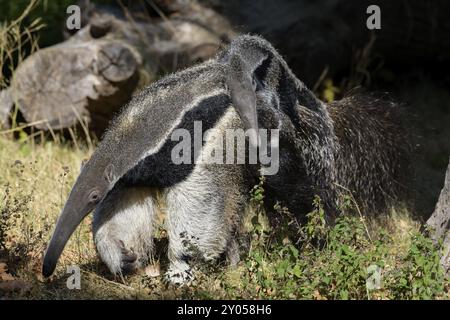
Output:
[[201, 215]]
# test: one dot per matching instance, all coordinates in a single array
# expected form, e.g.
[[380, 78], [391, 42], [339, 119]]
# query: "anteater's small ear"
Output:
[[242, 83], [109, 173]]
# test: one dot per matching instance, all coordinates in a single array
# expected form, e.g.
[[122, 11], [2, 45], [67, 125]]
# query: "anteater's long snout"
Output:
[[68, 221]]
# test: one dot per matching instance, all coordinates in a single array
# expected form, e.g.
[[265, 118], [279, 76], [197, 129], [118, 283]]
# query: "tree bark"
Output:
[[439, 222], [62, 85]]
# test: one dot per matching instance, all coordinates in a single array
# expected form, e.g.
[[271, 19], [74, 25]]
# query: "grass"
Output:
[[328, 262], [18, 41]]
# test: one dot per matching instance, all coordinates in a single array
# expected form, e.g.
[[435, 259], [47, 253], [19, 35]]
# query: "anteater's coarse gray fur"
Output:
[[323, 149], [373, 155], [370, 158]]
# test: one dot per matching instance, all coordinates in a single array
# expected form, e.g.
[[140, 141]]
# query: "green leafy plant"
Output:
[[333, 261], [421, 275]]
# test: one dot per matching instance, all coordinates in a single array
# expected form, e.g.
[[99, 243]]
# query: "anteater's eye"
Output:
[[94, 196]]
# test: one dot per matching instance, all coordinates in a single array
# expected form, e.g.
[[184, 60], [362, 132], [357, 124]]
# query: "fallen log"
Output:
[[68, 83], [90, 76]]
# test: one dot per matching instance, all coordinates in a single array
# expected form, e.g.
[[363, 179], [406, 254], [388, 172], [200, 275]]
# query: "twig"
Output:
[[22, 127], [111, 282], [320, 79]]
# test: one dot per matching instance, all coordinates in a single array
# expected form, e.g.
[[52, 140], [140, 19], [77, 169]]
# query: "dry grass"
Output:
[[36, 179]]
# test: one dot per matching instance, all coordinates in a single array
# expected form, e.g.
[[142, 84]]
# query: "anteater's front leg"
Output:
[[123, 228]]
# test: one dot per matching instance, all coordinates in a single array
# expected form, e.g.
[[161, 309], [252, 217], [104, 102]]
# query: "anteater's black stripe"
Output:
[[290, 95], [158, 170], [307, 98], [262, 70], [287, 93]]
